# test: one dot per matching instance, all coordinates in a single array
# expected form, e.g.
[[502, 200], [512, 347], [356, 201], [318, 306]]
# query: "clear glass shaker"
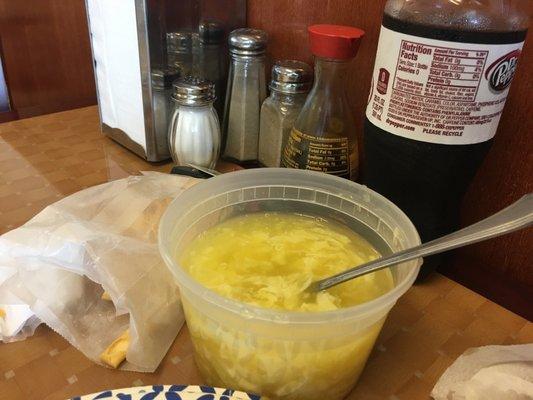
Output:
[[194, 130], [291, 82], [179, 51], [324, 135], [162, 104], [245, 94], [211, 59]]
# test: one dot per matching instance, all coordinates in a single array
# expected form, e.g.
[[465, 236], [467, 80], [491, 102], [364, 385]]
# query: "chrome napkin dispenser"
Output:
[[140, 46]]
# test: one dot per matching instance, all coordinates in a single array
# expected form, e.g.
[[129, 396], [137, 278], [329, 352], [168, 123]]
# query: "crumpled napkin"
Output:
[[17, 322], [104, 238], [489, 373]]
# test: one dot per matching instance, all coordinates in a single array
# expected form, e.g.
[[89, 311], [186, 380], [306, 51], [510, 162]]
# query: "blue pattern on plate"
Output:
[[177, 388], [104, 395], [150, 396], [172, 396]]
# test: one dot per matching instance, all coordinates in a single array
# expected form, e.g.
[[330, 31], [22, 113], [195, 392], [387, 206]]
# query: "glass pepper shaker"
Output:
[[162, 104], [211, 58], [291, 81], [194, 129], [245, 94], [195, 49], [324, 135], [179, 51]]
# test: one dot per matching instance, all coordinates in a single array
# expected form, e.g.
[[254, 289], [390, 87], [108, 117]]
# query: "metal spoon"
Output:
[[208, 171], [517, 216]]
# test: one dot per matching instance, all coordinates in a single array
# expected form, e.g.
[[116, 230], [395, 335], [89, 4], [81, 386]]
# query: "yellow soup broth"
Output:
[[268, 259]]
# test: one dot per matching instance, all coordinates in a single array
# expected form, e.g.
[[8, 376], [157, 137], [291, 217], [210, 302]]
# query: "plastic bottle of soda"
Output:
[[440, 81]]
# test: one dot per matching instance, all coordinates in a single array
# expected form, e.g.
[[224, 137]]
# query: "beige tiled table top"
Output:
[[46, 158]]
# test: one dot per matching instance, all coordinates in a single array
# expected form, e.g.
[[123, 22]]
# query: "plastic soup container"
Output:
[[284, 354]]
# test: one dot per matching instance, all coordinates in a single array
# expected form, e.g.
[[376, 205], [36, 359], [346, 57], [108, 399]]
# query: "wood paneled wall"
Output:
[[501, 268], [47, 56]]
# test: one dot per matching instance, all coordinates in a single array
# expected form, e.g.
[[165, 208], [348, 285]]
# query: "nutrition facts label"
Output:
[[438, 91], [453, 74], [330, 155]]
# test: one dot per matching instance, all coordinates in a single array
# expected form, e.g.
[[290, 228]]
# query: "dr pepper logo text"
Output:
[[501, 72]]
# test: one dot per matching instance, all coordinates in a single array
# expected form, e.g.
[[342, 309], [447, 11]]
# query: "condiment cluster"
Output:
[[299, 125]]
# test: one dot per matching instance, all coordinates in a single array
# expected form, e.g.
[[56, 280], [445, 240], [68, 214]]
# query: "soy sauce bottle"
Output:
[[324, 135], [440, 81]]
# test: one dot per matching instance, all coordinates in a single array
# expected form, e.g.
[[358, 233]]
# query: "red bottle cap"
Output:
[[334, 41]]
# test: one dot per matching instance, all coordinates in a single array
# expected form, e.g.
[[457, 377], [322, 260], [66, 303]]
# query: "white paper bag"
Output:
[[102, 238]]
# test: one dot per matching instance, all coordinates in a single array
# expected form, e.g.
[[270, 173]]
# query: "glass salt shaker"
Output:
[[179, 51], [245, 94], [194, 129], [162, 104], [291, 81]]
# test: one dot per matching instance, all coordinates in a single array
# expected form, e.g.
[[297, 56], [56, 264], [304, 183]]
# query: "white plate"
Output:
[[168, 392]]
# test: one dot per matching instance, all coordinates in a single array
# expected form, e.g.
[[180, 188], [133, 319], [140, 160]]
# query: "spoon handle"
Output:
[[517, 216], [205, 170]]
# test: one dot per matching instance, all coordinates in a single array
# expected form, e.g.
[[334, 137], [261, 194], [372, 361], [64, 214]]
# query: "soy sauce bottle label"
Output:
[[329, 155], [439, 91]]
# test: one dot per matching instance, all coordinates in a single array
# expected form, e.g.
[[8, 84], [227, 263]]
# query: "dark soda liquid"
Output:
[[426, 180]]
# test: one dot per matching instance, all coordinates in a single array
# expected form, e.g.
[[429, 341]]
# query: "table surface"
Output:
[[45, 158]]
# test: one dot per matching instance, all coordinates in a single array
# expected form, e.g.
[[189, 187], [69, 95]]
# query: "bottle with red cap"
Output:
[[324, 135]]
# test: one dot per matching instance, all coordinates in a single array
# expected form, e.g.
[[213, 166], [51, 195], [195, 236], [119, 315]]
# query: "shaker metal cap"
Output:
[[211, 32], [162, 78], [291, 76], [191, 91], [247, 41]]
